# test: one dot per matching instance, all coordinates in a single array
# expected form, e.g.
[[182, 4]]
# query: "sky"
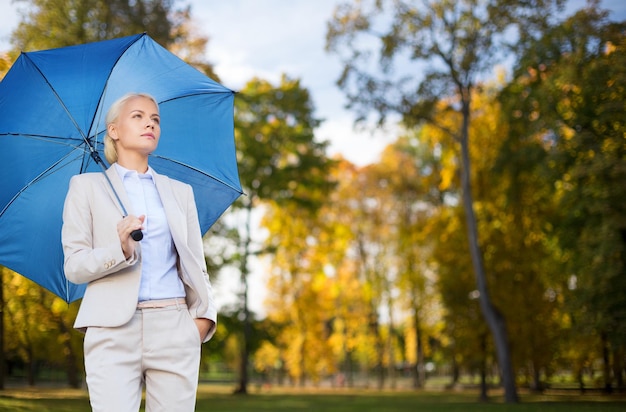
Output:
[[249, 38], [266, 38]]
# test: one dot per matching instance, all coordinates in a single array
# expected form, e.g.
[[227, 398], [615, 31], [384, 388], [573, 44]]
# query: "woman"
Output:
[[148, 305]]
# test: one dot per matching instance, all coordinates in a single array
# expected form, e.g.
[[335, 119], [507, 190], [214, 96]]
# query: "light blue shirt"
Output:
[[159, 275]]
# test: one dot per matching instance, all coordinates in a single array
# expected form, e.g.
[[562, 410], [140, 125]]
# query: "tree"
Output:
[[406, 182], [300, 292], [5, 62], [58, 23], [517, 204], [50, 340], [3, 276], [352, 233], [453, 43], [370, 222], [568, 92], [279, 161]]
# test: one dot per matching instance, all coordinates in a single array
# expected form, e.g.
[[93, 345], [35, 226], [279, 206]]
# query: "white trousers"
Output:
[[158, 348]]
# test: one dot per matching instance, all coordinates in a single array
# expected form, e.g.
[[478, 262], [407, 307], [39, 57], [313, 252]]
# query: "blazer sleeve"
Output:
[[84, 260]]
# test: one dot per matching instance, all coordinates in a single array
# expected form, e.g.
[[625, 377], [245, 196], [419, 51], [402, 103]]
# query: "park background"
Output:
[[354, 269]]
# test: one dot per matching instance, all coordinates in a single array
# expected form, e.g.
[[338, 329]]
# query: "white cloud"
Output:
[[269, 38], [8, 21]]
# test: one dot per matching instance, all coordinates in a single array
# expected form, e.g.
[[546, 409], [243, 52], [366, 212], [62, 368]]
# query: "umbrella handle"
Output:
[[137, 235]]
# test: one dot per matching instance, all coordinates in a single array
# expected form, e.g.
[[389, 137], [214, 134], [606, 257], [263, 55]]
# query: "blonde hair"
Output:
[[110, 152]]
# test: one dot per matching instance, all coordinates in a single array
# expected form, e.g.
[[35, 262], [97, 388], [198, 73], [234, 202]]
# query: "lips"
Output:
[[150, 135]]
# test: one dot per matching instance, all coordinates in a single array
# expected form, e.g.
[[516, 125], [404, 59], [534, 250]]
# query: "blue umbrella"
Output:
[[52, 109]]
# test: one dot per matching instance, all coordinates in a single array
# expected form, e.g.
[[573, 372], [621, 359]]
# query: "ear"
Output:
[[112, 131]]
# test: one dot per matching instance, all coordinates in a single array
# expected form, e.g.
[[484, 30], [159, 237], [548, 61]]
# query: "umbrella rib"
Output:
[[52, 140], [199, 171], [99, 110], [182, 96], [34, 180], [46, 138], [91, 148]]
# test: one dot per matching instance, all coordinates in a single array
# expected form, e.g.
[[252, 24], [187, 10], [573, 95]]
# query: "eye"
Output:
[[156, 120]]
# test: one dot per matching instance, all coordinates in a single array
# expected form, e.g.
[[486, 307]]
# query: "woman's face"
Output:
[[137, 128]]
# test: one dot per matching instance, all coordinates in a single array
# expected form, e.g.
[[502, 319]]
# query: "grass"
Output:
[[219, 398]]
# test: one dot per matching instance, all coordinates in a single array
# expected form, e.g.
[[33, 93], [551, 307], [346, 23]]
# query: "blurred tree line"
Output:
[[372, 271]]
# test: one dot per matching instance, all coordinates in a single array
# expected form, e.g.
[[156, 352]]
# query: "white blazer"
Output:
[[93, 253]]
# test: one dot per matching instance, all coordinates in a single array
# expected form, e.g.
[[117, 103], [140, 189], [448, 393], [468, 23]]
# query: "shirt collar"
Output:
[[124, 172]]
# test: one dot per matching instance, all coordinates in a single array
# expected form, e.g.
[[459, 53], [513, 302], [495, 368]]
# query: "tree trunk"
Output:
[[245, 337], [2, 359], [246, 332], [303, 374], [495, 319], [537, 386], [420, 370], [349, 369], [618, 367], [456, 373], [71, 366], [31, 367], [606, 360], [380, 348], [391, 370], [483, 367]]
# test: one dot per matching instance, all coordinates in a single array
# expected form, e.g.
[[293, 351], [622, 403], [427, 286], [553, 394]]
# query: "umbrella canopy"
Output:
[[52, 109]]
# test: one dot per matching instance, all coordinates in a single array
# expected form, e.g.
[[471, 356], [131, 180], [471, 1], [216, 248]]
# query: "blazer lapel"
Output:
[[175, 215], [116, 190]]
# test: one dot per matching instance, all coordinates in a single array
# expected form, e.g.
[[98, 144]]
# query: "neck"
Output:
[[134, 161]]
